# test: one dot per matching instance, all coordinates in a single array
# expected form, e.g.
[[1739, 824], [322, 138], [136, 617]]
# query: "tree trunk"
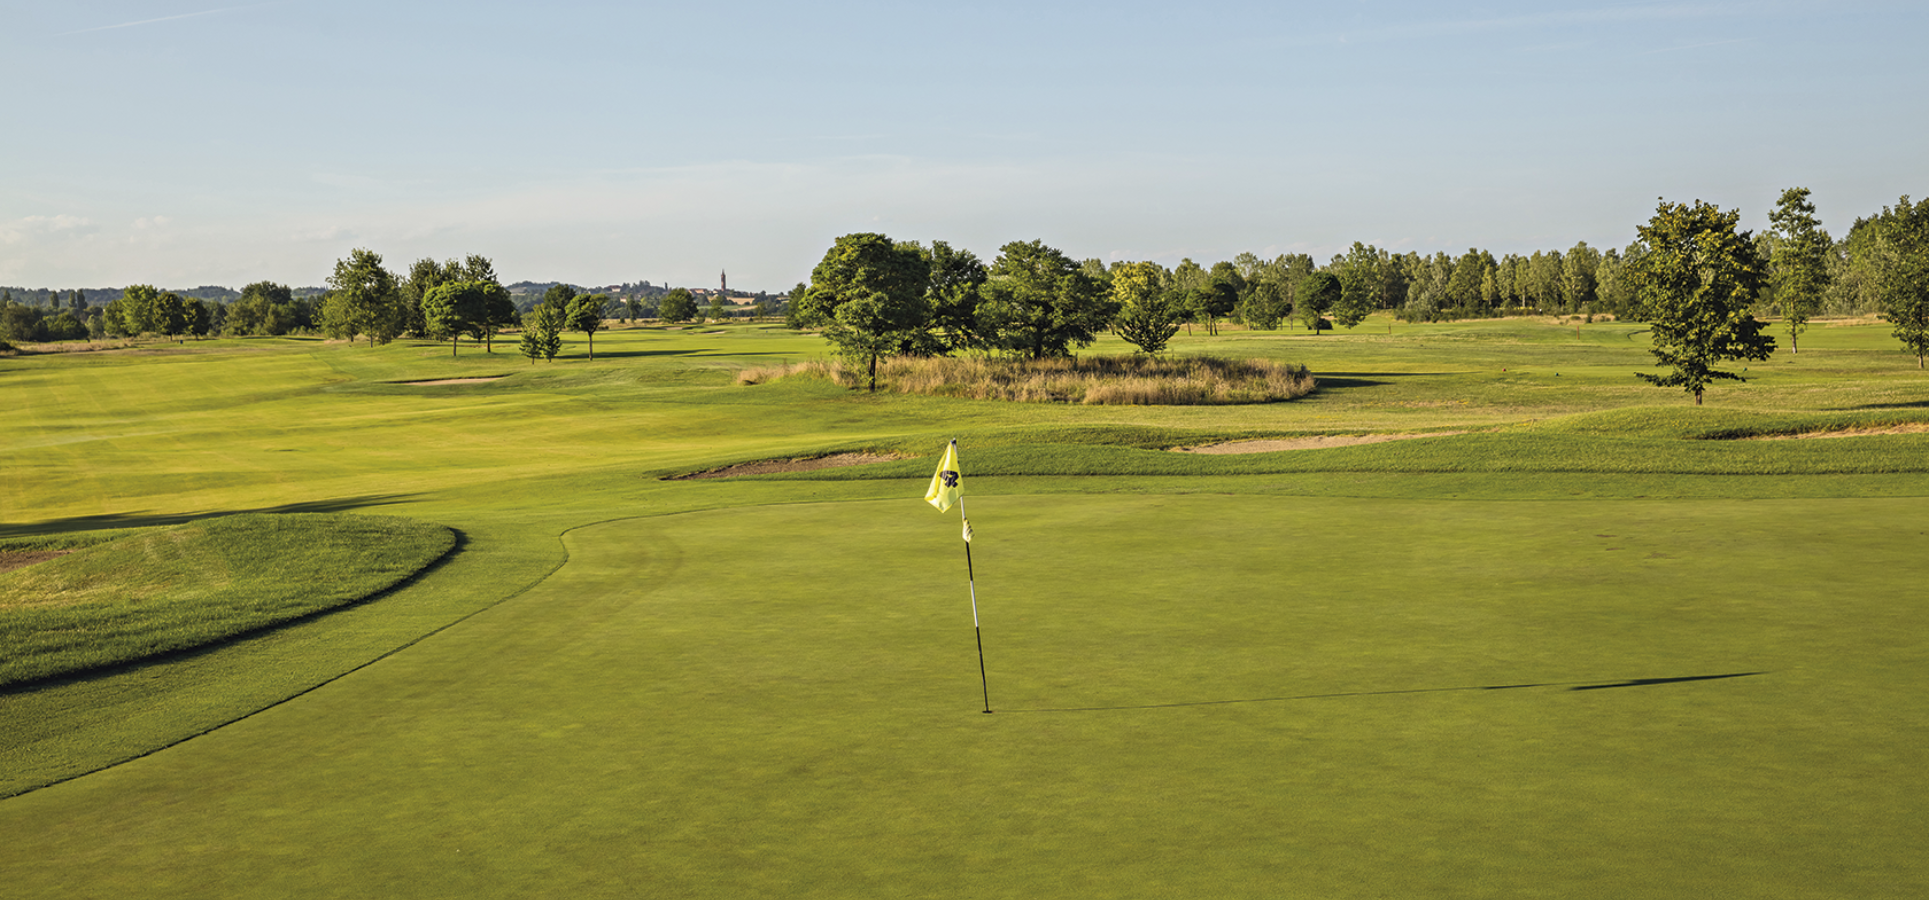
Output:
[[1697, 398], [873, 388]]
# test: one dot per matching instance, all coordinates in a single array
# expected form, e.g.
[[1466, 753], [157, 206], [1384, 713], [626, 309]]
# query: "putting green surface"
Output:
[[1199, 695]]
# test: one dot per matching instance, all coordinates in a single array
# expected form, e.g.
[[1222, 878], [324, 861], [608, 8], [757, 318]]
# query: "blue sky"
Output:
[[183, 142]]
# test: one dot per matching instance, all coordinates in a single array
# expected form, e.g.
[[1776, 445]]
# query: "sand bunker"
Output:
[[20, 559], [453, 381], [1911, 428], [1317, 442], [773, 466]]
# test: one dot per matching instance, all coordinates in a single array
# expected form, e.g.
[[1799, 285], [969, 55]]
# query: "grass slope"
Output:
[[535, 718], [168, 590], [1490, 699]]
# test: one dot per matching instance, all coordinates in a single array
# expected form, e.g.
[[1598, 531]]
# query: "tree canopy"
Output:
[[1694, 288], [1041, 303]]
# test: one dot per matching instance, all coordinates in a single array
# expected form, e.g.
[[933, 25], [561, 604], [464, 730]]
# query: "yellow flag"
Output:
[[947, 485]]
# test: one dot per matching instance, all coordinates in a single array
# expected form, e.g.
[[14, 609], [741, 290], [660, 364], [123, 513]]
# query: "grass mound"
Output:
[[1094, 380], [166, 590]]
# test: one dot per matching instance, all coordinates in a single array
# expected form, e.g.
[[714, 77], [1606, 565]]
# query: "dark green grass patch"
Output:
[[166, 590]]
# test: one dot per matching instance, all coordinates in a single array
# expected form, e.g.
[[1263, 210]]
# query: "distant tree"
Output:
[[196, 318], [451, 309], [1580, 279], [678, 306], [140, 310], [760, 308], [366, 300], [718, 310], [64, 326], [541, 334], [558, 297], [264, 308], [1144, 319], [585, 314], [1694, 287], [172, 314], [1360, 282], [1266, 303], [20, 324], [793, 307], [869, 295], [956, 286], [1042, 303], [1798, 266], [1317, 293], [1901, 272]]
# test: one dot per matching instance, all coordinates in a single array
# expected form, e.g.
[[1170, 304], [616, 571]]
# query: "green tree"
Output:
[[956, 287], [1580, 278], [20, 323], [1901, 272], [264, 308], [1694, 287], [452, 309], [541, 334], [1317, 293], [717, 311], [1266, 303], [1360, 284], [868, 294], [585, 314], [1798, 266], [366, 300], [140, 310], [1041, 303], [678, 306], [172, 314], [196, 318], [1144, 319]]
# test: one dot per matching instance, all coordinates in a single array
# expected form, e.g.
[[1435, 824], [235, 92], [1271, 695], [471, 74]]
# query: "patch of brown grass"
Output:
[[1096, 380]]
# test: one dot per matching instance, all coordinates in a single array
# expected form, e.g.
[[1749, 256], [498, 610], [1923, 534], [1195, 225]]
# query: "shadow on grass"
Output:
[[1570, 685], [139, 520], [1913, 404], [121, 668]]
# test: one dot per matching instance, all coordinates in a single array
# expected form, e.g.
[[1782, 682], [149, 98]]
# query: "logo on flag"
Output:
[[947, 484]]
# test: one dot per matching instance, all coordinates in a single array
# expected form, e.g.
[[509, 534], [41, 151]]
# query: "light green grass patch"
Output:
[[167, 590]]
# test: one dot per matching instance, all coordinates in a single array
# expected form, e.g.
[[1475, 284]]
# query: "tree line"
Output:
[[874, 297]]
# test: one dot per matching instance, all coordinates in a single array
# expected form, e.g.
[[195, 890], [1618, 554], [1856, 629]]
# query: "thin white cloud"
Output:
[[205, 12]]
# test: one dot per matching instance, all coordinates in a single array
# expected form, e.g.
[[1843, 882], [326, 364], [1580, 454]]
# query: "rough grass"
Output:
[[1093, 380], [167, 590]]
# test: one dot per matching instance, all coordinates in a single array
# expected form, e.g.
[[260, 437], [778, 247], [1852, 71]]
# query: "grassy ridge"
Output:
[[166, 590]]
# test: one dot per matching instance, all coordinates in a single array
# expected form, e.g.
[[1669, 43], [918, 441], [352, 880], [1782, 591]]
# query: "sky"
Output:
[[183, 143]]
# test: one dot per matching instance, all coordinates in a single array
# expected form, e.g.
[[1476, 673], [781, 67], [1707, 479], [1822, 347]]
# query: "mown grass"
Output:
[[167, 590], [765, 688]]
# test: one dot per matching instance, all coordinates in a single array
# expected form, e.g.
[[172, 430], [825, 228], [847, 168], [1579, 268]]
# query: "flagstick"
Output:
[[971, 578]]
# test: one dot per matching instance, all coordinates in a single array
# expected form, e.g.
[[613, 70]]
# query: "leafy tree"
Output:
[[171, 312], [1317, 293], [678, 306], [541, 334], [558, 297], [20, 323], [140, 310], [264, 308], [196, 318], [450, 310], [1360, 284], [1798, 273], [1901, 256], [1580, 278], [868, 294], [366, 300], [956, 287], [1694, 287], [793, 307], [64, 326], [717, 311], [585, 314], [1040, 303], [1266, 303], [1144, 319]]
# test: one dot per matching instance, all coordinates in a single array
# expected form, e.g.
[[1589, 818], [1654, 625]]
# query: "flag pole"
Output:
[[971, 578]]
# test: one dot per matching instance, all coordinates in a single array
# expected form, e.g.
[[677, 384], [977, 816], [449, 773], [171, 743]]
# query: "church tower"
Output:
[[724, 277]]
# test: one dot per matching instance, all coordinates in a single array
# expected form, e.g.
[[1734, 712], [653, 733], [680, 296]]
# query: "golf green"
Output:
[[1198, 695]]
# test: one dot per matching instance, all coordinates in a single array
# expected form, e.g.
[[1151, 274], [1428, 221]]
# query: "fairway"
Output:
[[1584, 644], [1413, 698]]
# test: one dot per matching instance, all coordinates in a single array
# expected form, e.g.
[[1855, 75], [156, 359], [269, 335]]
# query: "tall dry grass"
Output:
[[1098, 380]]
